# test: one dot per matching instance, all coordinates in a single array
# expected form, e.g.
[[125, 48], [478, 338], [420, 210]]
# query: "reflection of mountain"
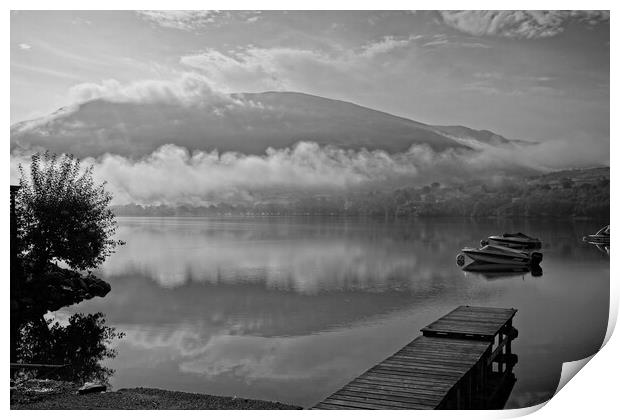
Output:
[[247, 123]]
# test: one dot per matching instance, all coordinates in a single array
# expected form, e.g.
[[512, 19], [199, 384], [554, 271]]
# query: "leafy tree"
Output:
[[63, 216]]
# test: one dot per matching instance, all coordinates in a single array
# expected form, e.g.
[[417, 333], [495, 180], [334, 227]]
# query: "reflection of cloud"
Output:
[[298, 369], [174, 256], [269, 278], [518, 23], [24, 46], [258, 358], [215, 355]]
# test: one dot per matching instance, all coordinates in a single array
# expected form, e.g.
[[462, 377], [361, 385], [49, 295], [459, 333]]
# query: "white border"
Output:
[[592, 394]]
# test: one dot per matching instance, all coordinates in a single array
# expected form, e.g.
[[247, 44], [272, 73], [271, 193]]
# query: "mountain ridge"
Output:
[[248, 123]]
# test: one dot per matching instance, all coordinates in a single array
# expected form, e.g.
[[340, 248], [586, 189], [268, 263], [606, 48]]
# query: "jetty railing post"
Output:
[[500, 364], [509, 343]]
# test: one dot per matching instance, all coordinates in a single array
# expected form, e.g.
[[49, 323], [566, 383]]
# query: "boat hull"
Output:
[[486, 257], [514, 243], [597, 239]]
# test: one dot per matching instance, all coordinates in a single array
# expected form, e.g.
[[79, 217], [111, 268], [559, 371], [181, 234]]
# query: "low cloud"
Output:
[[526, 24], [188, 89], [172, 175]]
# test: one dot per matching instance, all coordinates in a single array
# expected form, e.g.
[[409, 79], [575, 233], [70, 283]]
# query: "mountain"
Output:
[[248, 123], [467, 135]]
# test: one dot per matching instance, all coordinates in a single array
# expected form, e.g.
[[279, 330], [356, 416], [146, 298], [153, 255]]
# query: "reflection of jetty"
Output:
[[456, 364]]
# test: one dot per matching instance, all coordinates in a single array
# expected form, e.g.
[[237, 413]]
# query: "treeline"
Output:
[[565, 197], [539, 200]]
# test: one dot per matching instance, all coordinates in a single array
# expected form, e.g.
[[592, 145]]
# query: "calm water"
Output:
[[292, 309]]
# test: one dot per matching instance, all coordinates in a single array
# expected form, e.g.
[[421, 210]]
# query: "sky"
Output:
[[527, 75], [533, 75]]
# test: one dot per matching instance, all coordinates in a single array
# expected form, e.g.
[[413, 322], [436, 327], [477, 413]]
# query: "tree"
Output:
[[63, 216], [567, 183]]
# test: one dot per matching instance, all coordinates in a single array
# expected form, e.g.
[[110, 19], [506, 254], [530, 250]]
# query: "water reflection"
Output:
[[601, 247], [292, 309], [502, 271], [77, 348]]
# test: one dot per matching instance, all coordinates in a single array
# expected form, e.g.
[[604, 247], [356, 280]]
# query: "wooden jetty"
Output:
[[463, 360]]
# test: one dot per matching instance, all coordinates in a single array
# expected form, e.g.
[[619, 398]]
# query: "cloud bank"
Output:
[[172, 175]]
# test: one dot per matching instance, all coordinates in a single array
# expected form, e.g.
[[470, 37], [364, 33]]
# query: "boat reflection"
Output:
[[502, 271], [602, 247]]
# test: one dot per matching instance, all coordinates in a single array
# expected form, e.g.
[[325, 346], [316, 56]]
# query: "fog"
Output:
[[172, 175]]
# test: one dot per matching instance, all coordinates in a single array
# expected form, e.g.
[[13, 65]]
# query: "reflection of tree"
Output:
[[82, 345]]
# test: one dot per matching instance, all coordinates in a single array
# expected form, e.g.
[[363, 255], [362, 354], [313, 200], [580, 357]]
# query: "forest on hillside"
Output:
[[566, 194]]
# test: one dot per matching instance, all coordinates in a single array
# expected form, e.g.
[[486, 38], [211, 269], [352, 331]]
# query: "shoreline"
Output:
[[56, 395]]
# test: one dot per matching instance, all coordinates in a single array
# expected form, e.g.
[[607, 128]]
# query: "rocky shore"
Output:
[[57, 288], [56, 395]]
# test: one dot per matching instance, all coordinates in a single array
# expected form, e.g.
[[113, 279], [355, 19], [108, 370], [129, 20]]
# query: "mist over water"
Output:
[[172, 175], [291, 309]]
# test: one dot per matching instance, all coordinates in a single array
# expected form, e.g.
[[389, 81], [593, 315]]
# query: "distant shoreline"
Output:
[[362, 217], [582, 194]]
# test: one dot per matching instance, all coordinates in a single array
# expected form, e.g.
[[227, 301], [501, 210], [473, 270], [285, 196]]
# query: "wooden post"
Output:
[[509, 343]]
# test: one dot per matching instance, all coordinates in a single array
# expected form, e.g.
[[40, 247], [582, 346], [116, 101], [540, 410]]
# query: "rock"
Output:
[[92, 387], [80, 283]]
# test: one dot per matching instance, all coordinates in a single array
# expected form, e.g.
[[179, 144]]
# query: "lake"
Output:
[[291, 309]]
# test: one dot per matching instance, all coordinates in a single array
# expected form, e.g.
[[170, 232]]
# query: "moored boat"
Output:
[[602, 237], [515, 240], [495, 254]]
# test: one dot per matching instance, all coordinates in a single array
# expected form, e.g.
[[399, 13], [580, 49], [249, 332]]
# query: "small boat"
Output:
[[514, 240], [495, 254], [599, 238]]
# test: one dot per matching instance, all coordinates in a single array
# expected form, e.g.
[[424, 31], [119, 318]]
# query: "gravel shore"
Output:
[[53, 395]]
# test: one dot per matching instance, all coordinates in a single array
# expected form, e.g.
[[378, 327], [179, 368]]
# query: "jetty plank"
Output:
[[422, 374]]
